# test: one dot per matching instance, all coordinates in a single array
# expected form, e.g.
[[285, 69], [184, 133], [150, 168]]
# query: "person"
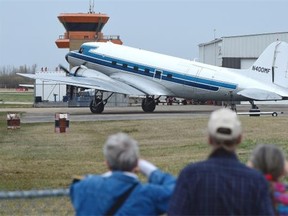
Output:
[[119, 192], [221, 185], [270, 161]]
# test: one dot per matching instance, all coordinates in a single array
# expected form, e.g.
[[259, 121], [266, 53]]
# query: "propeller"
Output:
[[76, 71], [64, 69]]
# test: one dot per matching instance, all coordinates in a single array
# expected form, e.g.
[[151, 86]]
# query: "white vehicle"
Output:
[[107, 67]]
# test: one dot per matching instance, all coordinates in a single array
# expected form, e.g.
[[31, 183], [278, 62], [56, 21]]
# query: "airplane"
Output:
[[27, 86], [108, 67]]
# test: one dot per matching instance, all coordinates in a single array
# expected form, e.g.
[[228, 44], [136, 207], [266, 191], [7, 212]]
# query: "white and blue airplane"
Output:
[[108, 67]]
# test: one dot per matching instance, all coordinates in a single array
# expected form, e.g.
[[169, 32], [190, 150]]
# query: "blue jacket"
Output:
[[95, 194], [220, 185]]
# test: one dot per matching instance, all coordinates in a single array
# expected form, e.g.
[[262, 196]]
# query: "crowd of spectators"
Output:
[[219, 185]]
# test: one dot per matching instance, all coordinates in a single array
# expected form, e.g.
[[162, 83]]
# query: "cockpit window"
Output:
[[85, 49]]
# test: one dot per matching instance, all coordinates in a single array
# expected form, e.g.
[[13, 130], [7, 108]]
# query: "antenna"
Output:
[[91, 7]]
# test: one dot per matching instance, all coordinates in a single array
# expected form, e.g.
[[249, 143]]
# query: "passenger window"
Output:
[[136, 68], [147, 70], [158, 73], [125, 65]]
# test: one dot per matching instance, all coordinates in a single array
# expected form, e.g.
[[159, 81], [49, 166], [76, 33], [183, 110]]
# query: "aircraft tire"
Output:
[[96, 109], [148, 104], [184, 102]]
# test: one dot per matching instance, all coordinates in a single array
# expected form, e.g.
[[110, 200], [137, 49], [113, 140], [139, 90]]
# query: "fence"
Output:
[[36, 202]]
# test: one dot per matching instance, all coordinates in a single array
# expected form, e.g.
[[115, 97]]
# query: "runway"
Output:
[[38, 115]]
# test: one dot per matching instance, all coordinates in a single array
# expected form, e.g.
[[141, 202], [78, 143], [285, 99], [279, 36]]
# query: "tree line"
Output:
[[9, 78]]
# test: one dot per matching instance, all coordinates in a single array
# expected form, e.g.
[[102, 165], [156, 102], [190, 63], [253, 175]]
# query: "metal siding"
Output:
[[250, 46], [209, 54]]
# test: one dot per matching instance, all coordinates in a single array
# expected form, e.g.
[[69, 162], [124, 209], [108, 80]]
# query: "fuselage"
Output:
[[184, 78]]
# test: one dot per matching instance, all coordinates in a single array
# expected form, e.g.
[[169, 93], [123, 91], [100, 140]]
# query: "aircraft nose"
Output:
[[66, 57]]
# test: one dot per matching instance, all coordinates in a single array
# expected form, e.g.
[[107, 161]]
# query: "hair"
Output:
[[121, 152], [268, 159], [229, 145]]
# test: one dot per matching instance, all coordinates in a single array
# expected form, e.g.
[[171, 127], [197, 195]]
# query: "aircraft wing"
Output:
[[144, 85], [101, 82], [259, 94]]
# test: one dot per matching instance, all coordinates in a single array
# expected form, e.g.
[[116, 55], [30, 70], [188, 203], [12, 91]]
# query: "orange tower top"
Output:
[[84, 26]]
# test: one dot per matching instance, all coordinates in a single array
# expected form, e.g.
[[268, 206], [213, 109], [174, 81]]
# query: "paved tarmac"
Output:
[[37, 115]]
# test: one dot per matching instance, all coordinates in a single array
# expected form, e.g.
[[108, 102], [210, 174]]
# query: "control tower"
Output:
[[83, 27]]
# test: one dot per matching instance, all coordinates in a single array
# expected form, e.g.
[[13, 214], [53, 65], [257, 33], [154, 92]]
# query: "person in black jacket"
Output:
[[221, 185]]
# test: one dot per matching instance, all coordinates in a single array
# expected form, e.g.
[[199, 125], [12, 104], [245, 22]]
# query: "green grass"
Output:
[[15, 105], [16, 97], [36, 157]]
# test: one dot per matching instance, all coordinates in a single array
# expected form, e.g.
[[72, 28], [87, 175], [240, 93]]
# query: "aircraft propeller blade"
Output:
[[64, 69]]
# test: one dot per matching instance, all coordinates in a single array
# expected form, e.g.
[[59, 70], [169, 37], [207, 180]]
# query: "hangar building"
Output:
[[237, 51]]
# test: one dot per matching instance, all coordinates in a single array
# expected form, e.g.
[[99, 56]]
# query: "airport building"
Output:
[[237, 51]]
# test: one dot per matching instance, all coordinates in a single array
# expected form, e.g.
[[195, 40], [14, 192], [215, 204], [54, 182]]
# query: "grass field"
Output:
[[34, 157], [13, 96]]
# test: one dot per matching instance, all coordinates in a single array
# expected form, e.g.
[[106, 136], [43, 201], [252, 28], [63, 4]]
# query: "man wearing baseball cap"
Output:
[[221, 185]]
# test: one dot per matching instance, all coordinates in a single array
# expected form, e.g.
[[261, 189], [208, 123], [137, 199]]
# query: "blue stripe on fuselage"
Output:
[[176, 77]]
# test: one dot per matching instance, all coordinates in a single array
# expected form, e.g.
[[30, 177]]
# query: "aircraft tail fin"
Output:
[[272, 65]]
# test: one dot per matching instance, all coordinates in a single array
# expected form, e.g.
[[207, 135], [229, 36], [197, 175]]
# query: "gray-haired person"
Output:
[[270, 160], [221, 185], [119, 192]]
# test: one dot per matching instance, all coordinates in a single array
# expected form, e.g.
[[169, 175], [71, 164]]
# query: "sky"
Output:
[[29, 28]]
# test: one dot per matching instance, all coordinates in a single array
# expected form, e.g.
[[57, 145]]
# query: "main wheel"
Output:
[[148, 104], [96, 109]]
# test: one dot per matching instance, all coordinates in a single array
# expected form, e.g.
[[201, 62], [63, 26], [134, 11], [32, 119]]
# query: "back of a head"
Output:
[[268, 159], [224, 128], [121, 152]]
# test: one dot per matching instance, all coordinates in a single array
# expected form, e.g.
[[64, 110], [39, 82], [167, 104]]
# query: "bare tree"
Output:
[[9, 78]]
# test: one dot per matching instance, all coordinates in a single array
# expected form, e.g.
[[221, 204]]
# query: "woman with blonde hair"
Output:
[[270, 160]]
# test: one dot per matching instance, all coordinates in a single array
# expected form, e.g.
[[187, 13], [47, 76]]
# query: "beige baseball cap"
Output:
[[224, 125]]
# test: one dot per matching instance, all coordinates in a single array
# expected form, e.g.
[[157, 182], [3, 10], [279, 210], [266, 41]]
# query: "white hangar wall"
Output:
[[237, 51]]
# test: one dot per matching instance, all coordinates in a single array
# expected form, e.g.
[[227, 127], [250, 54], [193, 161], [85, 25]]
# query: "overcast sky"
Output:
[[29, 28]]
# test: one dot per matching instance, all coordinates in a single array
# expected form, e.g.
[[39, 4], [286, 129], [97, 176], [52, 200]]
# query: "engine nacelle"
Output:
[[83, 71]]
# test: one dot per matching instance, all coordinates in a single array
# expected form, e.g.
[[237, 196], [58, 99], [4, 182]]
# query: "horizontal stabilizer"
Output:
[[259, 94]]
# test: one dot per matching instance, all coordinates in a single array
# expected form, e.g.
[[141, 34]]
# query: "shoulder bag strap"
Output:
[[119, 202]]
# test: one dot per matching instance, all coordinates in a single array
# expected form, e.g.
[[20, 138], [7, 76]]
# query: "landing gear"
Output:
[[255, 111], [97, 104], [148, 104], [253, 105], [232, 102]]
